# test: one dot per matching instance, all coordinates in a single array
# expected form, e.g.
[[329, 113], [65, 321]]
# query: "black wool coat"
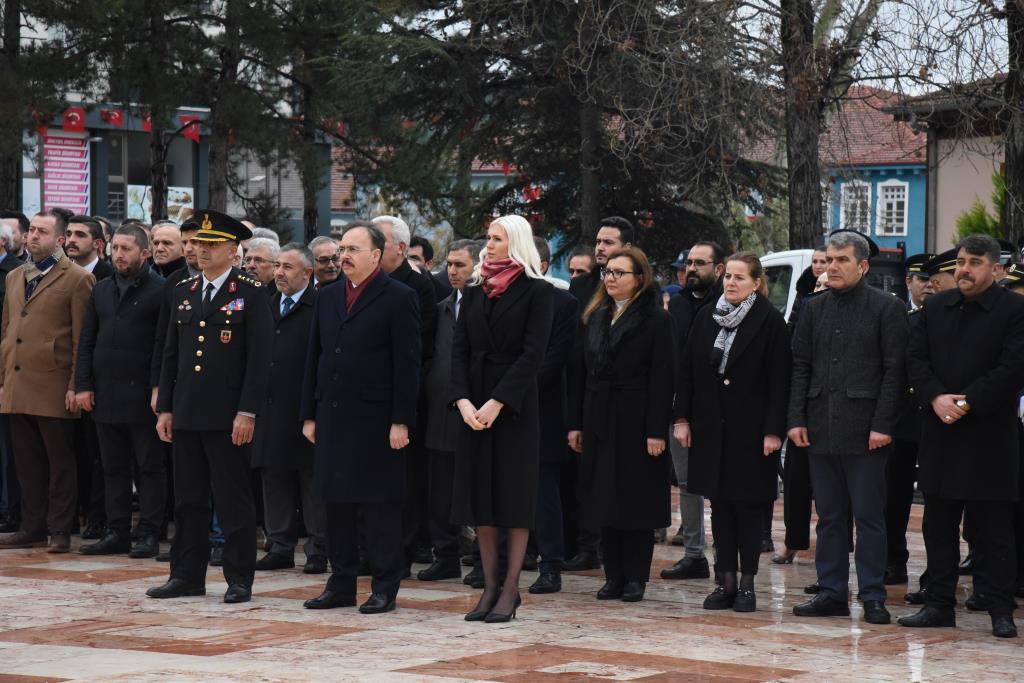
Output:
[[278, 442], [551, 382], [974, 348], [849, 368], [115, 349], [498, 351], [730, 414], [362, 376], [423, 285], [621, 398], [6, 266], [442, 430]]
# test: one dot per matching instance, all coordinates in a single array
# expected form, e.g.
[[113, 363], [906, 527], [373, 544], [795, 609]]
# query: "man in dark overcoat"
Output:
[[849, 355], [358, 406], [283, 454], [116, 376], [213, 384], [966, 367]]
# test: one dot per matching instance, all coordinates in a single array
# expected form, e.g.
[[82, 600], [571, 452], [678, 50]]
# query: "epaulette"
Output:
[[248, 280], [188, 279], [915, 311]]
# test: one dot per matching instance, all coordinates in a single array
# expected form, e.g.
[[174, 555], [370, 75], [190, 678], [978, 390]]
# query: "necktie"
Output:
[[458, 303], [31, 286], [286, 305], [208, 298]]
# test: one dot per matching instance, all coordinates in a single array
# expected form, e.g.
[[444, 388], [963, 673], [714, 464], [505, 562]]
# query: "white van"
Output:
[[783, 268]]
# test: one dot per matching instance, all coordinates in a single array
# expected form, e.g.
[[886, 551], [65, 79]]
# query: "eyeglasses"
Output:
[[351, 250], [324, 260], [699, 263], [258, 260], [615, 274]]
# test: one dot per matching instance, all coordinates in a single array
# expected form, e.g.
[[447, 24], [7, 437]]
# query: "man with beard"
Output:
[[615, 232], [326, 261], [115, 380], [168, 248], [704, 266], [969, 458], [85, 244]]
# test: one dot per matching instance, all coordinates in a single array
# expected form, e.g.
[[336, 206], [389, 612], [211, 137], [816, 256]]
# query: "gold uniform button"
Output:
[[725, 382], [202, 323], [198, 368], [202, 338], [199, 354]]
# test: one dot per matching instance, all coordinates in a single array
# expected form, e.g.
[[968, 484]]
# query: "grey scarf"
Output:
[[728, 318]]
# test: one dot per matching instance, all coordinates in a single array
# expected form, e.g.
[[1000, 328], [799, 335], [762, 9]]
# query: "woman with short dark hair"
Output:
[[738, 359]]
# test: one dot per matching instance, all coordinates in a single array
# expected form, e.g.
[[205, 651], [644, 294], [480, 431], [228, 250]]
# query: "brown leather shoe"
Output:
[[22, 539], [59, 543]]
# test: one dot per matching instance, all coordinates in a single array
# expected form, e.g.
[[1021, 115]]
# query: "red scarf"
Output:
[[499, 276]]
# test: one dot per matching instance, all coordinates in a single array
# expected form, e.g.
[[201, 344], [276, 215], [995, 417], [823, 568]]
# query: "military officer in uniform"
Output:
[[212, 384]]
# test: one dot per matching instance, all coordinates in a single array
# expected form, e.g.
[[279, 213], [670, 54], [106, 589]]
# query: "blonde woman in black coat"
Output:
[[738, 360], [621, 404]]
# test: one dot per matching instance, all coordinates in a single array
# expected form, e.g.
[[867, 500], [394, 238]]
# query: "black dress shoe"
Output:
[[582, 562], [895, 575], [822, 605], [767, 546], [529, 563], [720, 598], [217, 556], [423, 556], [163, 557], [378, 603], [147, 546], [330, 599], [688, 568], [475, 578], [611, 590], [1003, 626], [813, 588], [272, 561], [317, 564], [442, 569], [918, 598], [633, 591], [93, 531], [9, 523], [966, 567], [112, 543], [547, 582], [978, 602], [236, 593], [929, 617], [746, 600], [876, 613], [176, 588]]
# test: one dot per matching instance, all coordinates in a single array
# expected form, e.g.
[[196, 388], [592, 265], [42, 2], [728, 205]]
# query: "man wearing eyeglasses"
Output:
[[259, 262], [326, 261], [703, 267]]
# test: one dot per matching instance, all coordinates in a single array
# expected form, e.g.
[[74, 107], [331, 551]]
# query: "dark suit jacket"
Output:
[[551, 380], [278, 441], [6, 266], [442, 288], [849, 368], [424, 287], [362, 376], [442, 432], [115, 348], [215, 364], [102, 270], [974, 348], [584, 286], [684, 307]]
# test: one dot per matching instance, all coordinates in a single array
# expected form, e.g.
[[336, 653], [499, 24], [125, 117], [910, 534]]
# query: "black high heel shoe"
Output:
[[481, 611], [495, 618]]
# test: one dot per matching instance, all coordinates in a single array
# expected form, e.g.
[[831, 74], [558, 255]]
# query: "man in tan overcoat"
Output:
[[44, 307]]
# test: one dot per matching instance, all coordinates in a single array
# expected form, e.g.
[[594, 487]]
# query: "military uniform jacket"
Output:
[[974, 348], [215, 364]]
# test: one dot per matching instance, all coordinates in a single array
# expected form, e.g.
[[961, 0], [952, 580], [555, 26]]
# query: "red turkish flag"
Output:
[[147, 123], [74, 120], [114, 117], [191, 131]]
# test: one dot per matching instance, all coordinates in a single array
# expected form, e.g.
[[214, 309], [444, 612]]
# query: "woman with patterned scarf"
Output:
[[737, 360]]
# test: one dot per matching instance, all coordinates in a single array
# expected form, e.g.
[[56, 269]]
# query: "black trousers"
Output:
[[382, 524], [548, 533], [628, 553], [995, 563], [796, 503], [91, 482], [737, 527], [284, 492], [44, 453], [206, 462], [900, 474], [10, 491], [415, 511], [580, 532], [126, 447], [444, 536]]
